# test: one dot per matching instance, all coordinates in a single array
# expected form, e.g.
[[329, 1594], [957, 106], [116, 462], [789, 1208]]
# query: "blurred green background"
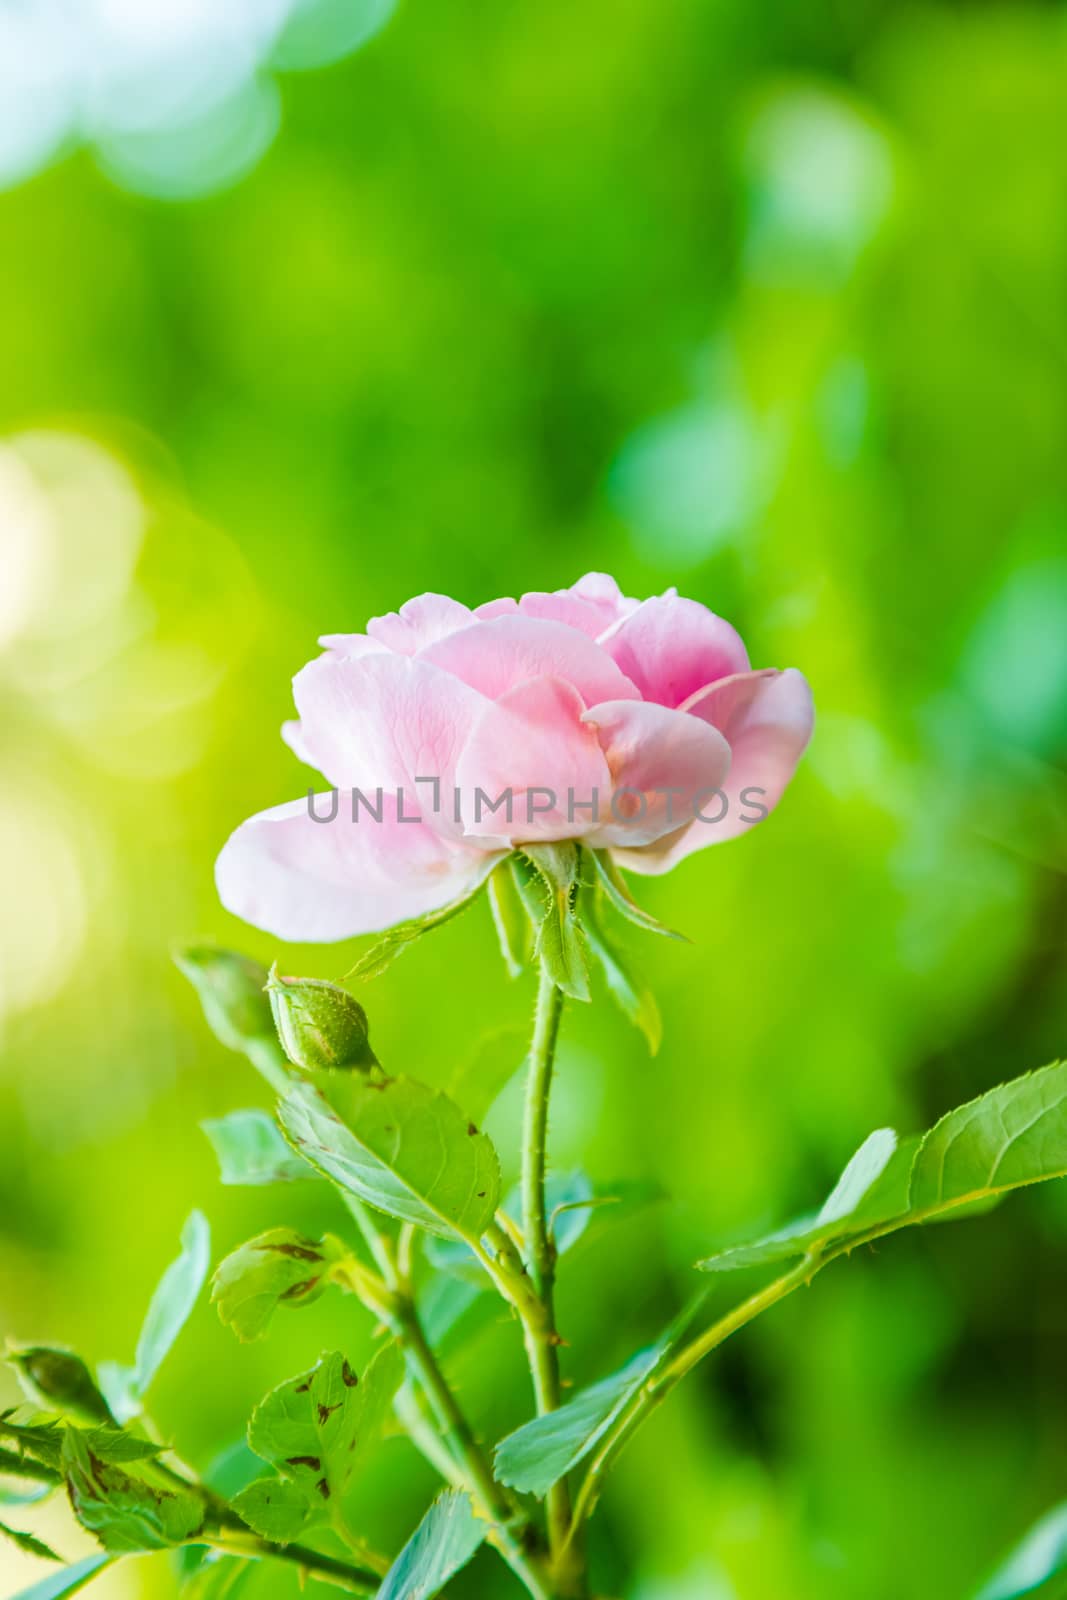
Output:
[[767, 302]]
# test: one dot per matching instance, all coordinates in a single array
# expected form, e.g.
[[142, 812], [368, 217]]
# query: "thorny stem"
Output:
[[541, 1337], [457, 1436]]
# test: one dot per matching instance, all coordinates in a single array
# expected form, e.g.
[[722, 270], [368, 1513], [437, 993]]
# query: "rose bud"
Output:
[[58, 1380], [320, 1025]]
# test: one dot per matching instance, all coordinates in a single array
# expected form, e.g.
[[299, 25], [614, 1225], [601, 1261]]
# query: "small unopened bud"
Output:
[[320, 1025], [58, 1380], [232, 992]]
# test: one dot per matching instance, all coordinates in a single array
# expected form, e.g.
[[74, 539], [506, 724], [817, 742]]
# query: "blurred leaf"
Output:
[[444, 1541], [630, 991], [483, 1075], [400, 1146], [28, 1543], [218, 1577], [280, 1267], [232, 991], [445, 1303], [174, 1299], [398, 939], [252, 1151], [125, 1513], [1040, 1556], [1012, 1136], [69, 1581], [615, 888], [509, 919], [277, 1508]]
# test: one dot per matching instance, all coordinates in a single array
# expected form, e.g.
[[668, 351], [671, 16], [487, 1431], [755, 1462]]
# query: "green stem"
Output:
[[489, 1497], [325, 1568], [541, 1336], [659, 1385]]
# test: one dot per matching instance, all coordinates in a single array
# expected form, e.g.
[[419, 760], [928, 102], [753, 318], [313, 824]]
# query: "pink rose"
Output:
[[636, 727]]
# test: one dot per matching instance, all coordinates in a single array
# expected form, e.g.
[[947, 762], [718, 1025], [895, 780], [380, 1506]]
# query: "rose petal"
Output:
[[531, 739], [767, 719], [670, 647], [419, 622], [591, 605], [382, 719], [497, 655], [651, 749], [307, 882]]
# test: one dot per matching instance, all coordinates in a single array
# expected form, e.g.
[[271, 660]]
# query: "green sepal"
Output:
[[617, 892], [547, 879], [398, 939], [509, 919], [631, 993]]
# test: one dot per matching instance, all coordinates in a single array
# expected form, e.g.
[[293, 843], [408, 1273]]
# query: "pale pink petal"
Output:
[[351, 645], [419, 622], [767, 719], [670, 647], [382, 720], [662, 764], [307, 882], [591, 605], [531, 744], [496, 655]]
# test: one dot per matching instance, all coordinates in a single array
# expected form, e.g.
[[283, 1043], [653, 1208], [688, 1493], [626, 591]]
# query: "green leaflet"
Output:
[[126, 1513], [179, 1288], [541, 1452], [311, 1429], [1010, 1137], [1040, 1556], [252, 1151], [277, 1268], [42, 1442], [277, 1508], [28, 1543], [400, 1146], [59, 1584], [444, 1541]]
